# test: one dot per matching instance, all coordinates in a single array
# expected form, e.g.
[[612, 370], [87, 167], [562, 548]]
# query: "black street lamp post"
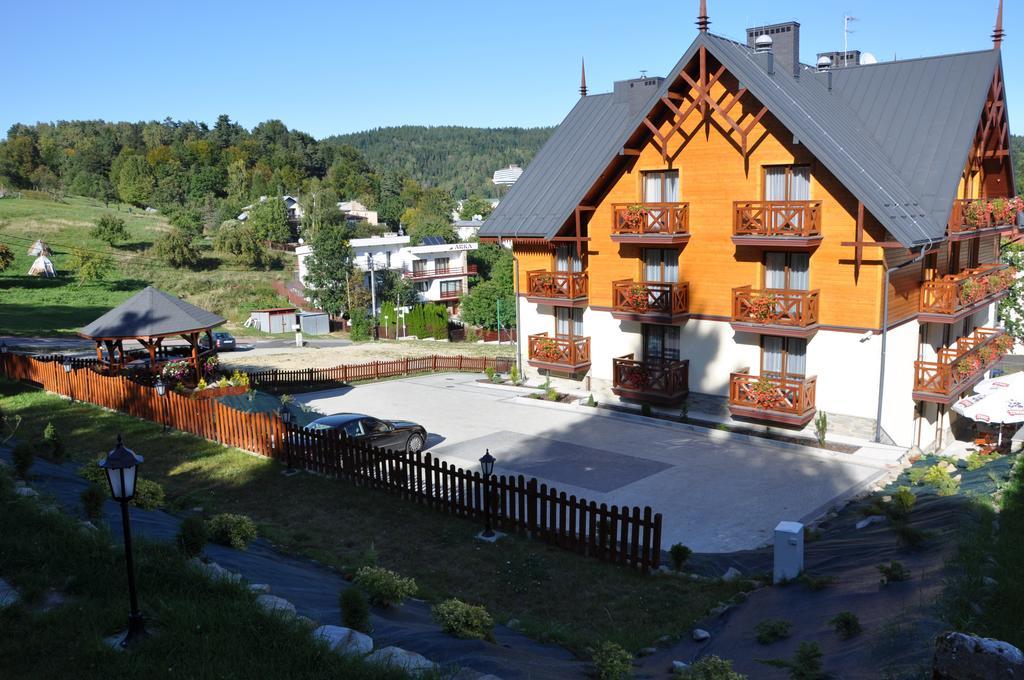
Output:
[[161, 390], [286, 417], [487, 468], [121, 466]]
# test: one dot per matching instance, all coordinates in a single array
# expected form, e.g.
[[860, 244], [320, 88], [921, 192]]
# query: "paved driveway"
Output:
[[717, 492]]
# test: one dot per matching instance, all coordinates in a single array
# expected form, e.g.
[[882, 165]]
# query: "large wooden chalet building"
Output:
[[772, 238]]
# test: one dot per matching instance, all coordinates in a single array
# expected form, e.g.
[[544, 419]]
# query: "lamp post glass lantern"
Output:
[[67, 365], [286, 415], [161, 391], [487, 468], [121, 466]]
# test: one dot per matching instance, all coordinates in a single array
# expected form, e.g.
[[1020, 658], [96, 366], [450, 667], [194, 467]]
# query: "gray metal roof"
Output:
[[151, 313], [896, 135]]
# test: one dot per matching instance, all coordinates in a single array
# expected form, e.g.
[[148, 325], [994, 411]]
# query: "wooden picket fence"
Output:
[[274, 379], [623, 535], [626, 535]]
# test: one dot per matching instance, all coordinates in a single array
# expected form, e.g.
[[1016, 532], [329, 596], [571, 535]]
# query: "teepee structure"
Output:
[[42, 266]]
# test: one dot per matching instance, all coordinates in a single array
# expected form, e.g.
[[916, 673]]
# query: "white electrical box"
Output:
[[789, 551]]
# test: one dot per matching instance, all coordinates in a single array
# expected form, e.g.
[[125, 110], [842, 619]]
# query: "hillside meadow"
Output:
[[32, 306]]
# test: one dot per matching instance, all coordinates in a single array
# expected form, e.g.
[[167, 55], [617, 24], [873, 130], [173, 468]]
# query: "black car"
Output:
[[394, 435], [223, 341]]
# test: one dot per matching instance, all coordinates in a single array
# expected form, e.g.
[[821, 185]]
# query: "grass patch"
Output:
[[59, 306], [338, 523], [219, 624]]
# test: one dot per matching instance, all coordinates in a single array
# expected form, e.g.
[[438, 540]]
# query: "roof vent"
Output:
[[824, 63], [763, 43]]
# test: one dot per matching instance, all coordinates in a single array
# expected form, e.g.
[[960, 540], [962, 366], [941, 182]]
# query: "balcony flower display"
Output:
[[547, 349], [177, 370], [972, 290], [763, 307], [998, 210], [765, 394], [1001, 280], [968, 365], [1004, 344], [635, 217], [638, 298]]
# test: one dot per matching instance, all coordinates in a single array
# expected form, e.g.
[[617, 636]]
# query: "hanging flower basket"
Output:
[[638, 298], [763, 307], [547, 350], [634, 218], [765, 394]]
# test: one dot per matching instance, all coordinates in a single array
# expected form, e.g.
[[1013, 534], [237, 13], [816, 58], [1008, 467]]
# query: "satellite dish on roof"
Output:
[[867, 58]]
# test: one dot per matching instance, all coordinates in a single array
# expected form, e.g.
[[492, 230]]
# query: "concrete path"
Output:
[[718, 492]]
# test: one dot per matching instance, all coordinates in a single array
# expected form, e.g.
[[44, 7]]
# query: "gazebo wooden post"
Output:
[[151, 346], [110, 355], [193, 339], [99, 352]]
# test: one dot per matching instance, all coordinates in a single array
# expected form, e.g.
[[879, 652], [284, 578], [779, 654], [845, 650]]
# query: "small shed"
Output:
[[274, 320], [42, 266], [315, 323]]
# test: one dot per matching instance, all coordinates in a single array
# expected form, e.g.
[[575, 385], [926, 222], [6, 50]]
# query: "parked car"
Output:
[[223, 341], [395, 435]]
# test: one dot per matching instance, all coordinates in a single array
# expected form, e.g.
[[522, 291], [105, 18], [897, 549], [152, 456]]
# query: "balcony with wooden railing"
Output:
[[782, 399], [452, 293], [439, 272], [777, 224], [960, 366], [969, 216], [651, 224], [954, 296], [777, 311], [564, 289], [662, 381], [650, 301], [560, 353]]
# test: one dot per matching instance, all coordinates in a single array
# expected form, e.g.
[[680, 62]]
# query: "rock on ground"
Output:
[[259, 588], [400, 658], [959, 656], [700, 635], [273, 603], [215, 571], [868, 521], [26, 492], [731, 574], [345, 641], [8, 595]]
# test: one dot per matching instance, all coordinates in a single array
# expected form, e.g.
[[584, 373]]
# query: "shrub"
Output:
[[710, 668], [177, 248], [893, 572], [591, 402], [384, 587], [847, 624], [772, 630], [908, 536], [462, 620], [821, 427], [939, 477], [192, 537], [232, 530], [93, 472], [805, 665], [110, 229], [361, 327], [490, 372], [53, 439], [92, 501], [149, 495], [551, 394], [816, 583], [355, 610], [645, 410], [612, 662], [679, 554], [976, 461], [23, 457], [902, 503], [513, 374]]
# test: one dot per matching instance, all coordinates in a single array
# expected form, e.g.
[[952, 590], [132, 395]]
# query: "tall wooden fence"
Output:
[[373, 370], [623, 535]]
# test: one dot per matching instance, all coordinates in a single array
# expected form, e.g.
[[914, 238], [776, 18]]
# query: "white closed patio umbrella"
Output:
[[1010, 381], [1001, 406]]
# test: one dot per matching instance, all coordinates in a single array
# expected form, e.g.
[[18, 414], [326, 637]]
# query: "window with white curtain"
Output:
[[568, 321], [661, 343], [661, 186], [567, 258], [783, 357], [788, 271], [661, 265], [787, 183]]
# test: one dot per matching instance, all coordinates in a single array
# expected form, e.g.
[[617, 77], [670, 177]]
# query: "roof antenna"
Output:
[[998, 34], [643, 73], [583, 77], [702, 18]]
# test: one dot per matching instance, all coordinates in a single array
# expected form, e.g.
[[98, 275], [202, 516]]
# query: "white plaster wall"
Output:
[[610, 338], [846, 366], [898, 403], [715, 350]]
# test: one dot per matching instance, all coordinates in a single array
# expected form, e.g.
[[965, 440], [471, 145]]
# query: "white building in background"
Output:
[[440, 271], [291, 204], [506, 177], [354, 210], [467, 229]]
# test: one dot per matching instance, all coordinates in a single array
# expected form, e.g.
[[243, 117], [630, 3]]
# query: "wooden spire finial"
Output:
[[583, 77], [702, 18], [998, 34]]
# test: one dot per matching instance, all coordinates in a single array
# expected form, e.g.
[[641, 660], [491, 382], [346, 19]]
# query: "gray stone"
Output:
[[400, 658], [8, 595], [731, 574], [513, 624], [198, 509], [700, 635], [259, 588], [869, 520], [647, 651], [959, 656], [308, 622], [26, 492], [87, 525], [215, 571], [720, 609], [273, 603], [345, 641], [679, 666], [989, 582]]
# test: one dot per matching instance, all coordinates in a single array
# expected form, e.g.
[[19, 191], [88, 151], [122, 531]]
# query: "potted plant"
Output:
[[967, 366], [765, 394], [638, 298], [547, 349], [763, 307], [545, 283], [634, 218], [973, 213], [972, 290], [1003, 344]]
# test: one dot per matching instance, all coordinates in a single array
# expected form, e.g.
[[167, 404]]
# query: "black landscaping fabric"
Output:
[[899, 620], [314, 589]]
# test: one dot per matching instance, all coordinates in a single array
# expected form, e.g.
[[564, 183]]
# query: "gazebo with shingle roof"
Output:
[[148, 317]]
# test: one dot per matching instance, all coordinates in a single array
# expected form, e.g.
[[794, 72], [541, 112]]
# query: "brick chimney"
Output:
[[785, 44]]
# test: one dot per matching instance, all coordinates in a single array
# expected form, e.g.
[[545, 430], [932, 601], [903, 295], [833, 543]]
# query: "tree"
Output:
[[90, 266], [481, 306], [269, 219], [475, 205], [178, 249], [431, 215], [1011, 308], [134, 182], [110, 229], [329, 269], [6, 257], [319, 207], [420, 232], [394, 288], [241, 240]]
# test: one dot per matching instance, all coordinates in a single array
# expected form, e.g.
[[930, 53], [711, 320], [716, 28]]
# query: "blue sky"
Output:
[[334, 67]]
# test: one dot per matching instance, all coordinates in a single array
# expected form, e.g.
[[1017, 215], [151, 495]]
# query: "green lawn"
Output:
[[556, 595], [35, 306], [204, 629]]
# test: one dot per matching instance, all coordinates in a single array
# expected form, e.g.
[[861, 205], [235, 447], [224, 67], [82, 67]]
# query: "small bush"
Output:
[[384, 587], [847, 624], [53, 440], [192, 537], [805, 665], [908, 536], [232, 530], [679, 553], [976, 461], [612, 662], [92, 501], [23, 456], [939, 477], [902, 503], [355, 610], [591, 402], [490, 373], [893, 572], [710, 668], [645, 410], [821, 428], [468, 621], [816, 583], [772, 630], [149, 495], [551, 394], [513, 374], [93, 472]]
